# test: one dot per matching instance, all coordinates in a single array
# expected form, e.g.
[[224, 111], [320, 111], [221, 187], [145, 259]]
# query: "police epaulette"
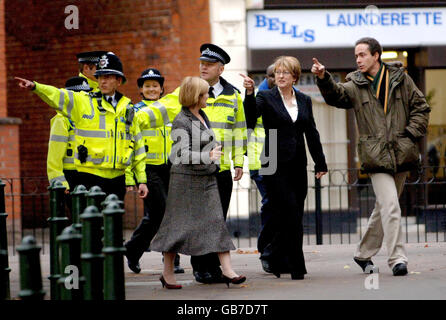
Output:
[[139, 105], [97, 94], [98, 97]]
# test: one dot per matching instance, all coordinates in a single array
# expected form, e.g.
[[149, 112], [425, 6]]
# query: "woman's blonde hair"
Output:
[[289, 63], [191, 89]]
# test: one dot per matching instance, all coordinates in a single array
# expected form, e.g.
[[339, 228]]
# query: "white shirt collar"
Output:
[[114, 102], [217, 88]]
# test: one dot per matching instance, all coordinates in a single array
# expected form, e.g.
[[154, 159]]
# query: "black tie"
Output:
[[211, 93], [110, 100]]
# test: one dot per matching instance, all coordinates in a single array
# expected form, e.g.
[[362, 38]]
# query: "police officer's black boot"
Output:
[[132, 262]]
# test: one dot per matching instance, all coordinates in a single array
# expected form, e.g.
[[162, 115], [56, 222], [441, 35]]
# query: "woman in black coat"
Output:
[[287, 116]]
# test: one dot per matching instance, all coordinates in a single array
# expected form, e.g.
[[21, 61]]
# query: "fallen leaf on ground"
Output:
[[415, 272], [346, 267], [244, 286]]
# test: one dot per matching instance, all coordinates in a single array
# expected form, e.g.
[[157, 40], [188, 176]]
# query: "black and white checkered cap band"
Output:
[[101, 71], [89, 59], [79, 88], [153, 75], [212, 53]]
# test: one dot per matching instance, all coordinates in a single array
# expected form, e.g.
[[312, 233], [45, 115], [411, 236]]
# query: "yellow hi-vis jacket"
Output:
[[93, 84], [112, 139], [256, 140], [157, 141], [60, 149], [227, 118]]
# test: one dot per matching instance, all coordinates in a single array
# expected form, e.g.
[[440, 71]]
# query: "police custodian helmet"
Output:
[[150, 74], [110, 63], [77, 84]]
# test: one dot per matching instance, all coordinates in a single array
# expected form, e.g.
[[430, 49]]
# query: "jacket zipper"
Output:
[[164, 139], [116, 133], [385, 125]]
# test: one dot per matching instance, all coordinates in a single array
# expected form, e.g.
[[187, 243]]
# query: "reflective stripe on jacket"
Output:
[[256, 140], [112, 138], [60, 149], [156, 140]]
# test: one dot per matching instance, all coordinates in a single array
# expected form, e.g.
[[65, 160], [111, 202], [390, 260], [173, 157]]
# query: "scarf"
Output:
[[380, 86]]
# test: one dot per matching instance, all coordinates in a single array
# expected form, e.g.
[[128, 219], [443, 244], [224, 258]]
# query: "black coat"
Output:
[[290, 136]]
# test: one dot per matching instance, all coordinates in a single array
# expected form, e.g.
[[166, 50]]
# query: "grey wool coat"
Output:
[[193, 223]]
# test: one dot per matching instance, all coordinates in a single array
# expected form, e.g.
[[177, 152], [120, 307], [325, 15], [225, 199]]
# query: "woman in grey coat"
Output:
[[193, 223]]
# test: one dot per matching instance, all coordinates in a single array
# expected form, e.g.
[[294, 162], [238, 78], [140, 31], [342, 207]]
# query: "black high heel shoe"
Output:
[[169, 286], [235, 280]]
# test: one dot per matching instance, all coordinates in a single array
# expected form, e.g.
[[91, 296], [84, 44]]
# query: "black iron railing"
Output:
[[336, 209]]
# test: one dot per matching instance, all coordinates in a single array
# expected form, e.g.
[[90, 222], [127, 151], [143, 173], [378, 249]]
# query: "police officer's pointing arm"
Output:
[[64, 101]]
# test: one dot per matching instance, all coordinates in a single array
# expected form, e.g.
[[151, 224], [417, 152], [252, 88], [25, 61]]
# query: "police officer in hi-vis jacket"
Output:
[[107, 140], [158, 145]]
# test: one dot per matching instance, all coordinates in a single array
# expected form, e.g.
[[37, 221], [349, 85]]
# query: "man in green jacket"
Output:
[[392, 115]]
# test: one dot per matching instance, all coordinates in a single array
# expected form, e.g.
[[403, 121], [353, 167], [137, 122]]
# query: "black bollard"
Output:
[[79, 203], [70, 263], [112, 198], [114, 284], [92, 259], [58, 221], [5, 293], [95, 197], [30, 272]]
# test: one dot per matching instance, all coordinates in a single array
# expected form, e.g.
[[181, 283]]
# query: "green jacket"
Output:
[[387, 142]]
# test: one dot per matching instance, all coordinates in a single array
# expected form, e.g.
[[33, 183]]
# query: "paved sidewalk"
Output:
[[332, 275]]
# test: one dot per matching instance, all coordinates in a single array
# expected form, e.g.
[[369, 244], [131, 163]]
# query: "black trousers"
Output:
[[109, 186], [210, 262], [154, 207], [72, 178], [287, 190]]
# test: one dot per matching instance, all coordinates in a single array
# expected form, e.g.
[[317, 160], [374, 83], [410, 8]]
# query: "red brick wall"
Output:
[[3, 109], [9, 136], [10, 166], [164, 34]]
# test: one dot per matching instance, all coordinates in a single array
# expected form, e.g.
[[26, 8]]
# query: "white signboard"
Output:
[[268, 29]]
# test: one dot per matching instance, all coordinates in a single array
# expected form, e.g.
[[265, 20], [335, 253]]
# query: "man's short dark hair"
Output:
[[373, 44], [82, 64]]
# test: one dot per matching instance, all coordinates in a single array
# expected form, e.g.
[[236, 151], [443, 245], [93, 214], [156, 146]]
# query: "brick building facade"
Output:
[[35, 44]]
